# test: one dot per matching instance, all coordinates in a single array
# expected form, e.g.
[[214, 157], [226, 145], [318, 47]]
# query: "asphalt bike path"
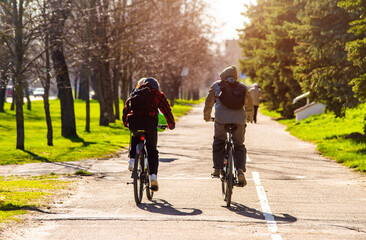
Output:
[[292, 193]]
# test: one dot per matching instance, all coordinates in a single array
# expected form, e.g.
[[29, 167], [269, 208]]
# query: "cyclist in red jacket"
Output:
[[147, 119]]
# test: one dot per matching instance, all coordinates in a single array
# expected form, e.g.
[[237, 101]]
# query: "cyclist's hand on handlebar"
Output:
[[172, 127], [209, 119], [250, 119]]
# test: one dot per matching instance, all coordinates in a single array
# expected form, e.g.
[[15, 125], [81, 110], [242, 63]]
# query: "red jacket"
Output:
[[159, 101]]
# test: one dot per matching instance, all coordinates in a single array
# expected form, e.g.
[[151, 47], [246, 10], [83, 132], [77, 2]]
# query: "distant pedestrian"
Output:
[[257, 96]]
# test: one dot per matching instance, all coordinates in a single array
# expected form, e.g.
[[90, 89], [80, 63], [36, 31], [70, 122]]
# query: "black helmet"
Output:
[[152, 83]]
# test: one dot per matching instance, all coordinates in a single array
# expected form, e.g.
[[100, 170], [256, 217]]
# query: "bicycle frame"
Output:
[[141, 173], [229, 173]]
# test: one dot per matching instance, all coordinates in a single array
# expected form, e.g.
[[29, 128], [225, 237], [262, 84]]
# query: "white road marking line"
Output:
[[248, 158], [271, 223]]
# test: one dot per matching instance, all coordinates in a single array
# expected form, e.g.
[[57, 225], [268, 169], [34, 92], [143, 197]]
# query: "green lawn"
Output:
[[332, 135], [100, 142], [19, 195]]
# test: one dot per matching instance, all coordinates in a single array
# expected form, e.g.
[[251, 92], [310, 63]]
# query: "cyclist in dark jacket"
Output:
[[224, 115], [148, 121]]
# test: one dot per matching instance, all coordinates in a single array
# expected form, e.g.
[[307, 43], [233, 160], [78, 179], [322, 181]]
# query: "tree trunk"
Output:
[[26, 90], [105, 96], [76, 88], [19, 113], [68, 125], [124, 88], [19, 58], [116, 75], [104, 81], [2, 99], [48, 119], [87, 100], [3, 85], [46, 95], [12, 107], [60, 13]]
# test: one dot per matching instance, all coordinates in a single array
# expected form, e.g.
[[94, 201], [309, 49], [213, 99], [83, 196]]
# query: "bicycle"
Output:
[[229, 177], [140, 173]]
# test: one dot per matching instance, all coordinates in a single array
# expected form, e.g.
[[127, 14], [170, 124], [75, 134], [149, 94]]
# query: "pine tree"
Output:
[[268, 55], [357, 48], [323, 68]]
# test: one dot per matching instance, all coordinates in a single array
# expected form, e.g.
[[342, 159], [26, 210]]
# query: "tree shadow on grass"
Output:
[[255, 214], [37, 157], [355, 137], [78, 139], [164, 207], [12, 207]]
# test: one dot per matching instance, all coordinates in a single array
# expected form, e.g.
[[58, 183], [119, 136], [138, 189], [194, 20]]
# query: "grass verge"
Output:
[[99, 142], [20, 195], [340, 139]]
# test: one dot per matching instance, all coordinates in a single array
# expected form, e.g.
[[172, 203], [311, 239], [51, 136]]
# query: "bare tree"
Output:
[[15, 42], [60, 12]]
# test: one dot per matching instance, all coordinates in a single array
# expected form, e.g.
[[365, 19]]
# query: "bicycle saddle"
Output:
[[230, 127]]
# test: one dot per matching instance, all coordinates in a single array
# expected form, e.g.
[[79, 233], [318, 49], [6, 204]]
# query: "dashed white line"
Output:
[[267, 213]]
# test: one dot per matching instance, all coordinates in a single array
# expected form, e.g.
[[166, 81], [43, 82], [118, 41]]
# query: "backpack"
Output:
[[232, 95], [140, 99]]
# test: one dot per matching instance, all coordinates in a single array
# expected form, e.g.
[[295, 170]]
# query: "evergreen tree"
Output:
[[268, 52], [357, 48], [323, 68]]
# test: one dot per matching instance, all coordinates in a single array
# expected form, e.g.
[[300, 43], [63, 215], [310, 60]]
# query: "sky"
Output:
[[228, 16]]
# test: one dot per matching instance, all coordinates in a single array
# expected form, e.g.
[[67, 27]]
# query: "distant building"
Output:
[[232, 52]]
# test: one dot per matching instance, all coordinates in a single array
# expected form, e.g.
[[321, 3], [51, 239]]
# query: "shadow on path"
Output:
[[167, 160], [255, 214], [163, 207]]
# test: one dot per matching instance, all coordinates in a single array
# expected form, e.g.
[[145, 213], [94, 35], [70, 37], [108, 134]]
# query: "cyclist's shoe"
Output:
[[154, 183], [241, 178], [216, 173], [130, 164]]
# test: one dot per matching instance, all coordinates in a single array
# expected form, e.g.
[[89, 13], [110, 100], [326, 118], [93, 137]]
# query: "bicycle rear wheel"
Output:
[[138, 181], [149, 193], [224, 180], [229, 179]]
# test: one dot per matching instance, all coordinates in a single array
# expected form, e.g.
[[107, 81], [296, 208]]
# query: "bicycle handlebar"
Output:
[[162, 126]]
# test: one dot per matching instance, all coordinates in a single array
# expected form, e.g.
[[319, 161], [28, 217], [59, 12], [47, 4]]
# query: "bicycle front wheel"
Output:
[[138, 181], [229, 179]]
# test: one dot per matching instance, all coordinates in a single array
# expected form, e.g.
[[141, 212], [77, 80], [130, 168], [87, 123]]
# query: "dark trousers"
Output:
[[255, 113], [151, 135], [218, 147]]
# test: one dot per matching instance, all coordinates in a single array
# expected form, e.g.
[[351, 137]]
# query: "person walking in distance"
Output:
[[257, 96], [233, 104], [141, 113]]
